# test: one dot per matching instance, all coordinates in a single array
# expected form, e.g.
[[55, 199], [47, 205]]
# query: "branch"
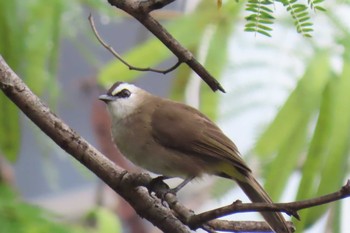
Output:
[[140, 10], [242, 226], [290, 208], [188, 217], [119, 57], [205, 219], [151, 5]]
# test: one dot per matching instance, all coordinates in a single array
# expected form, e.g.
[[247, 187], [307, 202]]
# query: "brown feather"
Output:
[[200, 137]]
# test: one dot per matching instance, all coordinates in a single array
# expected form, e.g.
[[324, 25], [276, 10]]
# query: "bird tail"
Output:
[[256, 193]]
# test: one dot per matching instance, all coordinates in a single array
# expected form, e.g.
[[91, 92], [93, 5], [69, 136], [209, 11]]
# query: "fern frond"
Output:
[[315, 4], [301, 16], [260, 17]]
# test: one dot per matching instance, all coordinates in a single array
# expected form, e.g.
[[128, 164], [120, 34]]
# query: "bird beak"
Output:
[[106, 98]]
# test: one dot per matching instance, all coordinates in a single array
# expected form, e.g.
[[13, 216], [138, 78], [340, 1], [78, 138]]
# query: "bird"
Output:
[[176, 140]]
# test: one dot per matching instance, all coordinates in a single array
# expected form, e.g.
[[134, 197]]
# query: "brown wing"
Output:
[[185, 129]]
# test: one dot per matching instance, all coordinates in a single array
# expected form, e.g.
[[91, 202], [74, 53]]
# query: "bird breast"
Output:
[[134, 139]]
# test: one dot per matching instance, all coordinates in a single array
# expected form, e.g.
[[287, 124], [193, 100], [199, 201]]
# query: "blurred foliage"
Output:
[[287, 133], [310, 135], [17, 216], [104, 221], [30, 39], [30, 34]]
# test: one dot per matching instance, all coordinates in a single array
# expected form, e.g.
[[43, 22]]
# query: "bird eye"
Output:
[[125, 93]]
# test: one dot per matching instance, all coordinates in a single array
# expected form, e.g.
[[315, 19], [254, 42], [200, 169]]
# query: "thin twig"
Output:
[[140, 10], [243, 226], [209, 218], [208, 228], [290, 208], [119, 57], [186, 216]]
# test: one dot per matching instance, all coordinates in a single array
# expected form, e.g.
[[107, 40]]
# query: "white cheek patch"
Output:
[[122, 108]]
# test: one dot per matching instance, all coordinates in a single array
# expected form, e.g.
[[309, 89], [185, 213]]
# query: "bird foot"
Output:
[[160, 188]]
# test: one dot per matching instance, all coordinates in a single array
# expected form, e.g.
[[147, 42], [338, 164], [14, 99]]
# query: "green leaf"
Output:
[[251, 25], [11, 39], [249, 29], [300, 20], [215, 62], [306, 24], [220, 188], [266, 21], [265, 15], [303, 100], [317, 1], [263, 33], [262, 15], [306, 30], [252, 17], [302, 14], [43, 26], [29, 43], [264, 28], [9, 129], [318, 150], [17, 216], [314, 2], [287, 157], [335, 166], [331, 165], [320, 8], [336, 212], [106, 221], [266, 9]]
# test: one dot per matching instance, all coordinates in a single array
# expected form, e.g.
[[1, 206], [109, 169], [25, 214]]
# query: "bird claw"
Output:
[[157, 185], [160, 188]]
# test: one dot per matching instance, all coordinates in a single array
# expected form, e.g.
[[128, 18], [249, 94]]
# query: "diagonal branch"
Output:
[[119, 57], [140, 10]]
